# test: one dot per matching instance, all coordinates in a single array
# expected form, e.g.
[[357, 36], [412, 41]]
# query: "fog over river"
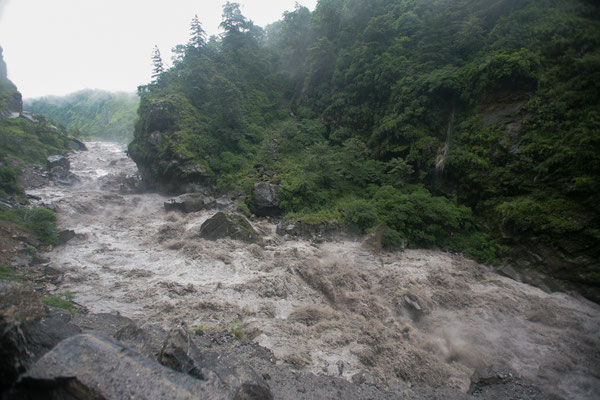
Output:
[[418, 317]]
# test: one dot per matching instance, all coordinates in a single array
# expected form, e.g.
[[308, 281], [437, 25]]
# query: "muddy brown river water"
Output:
[[413, 317]]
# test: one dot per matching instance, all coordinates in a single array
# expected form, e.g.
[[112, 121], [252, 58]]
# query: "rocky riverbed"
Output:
[[407, 323]]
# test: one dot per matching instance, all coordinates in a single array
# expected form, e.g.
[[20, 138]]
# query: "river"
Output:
[[413, 317]]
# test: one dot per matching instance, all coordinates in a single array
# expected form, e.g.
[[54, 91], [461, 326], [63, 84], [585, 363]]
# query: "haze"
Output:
[[61, 46]]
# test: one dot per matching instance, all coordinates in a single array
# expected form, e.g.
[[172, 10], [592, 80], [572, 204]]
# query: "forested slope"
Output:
[[91, 114], [468, 125]]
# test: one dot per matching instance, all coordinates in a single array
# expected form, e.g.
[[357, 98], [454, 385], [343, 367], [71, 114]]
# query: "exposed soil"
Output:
[[414, 318]]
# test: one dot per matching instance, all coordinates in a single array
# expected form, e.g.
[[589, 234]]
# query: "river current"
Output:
[[413, 317]]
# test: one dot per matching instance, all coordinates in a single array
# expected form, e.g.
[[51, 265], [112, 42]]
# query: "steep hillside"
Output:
[[467, 125], [24, 138], [92, 114]]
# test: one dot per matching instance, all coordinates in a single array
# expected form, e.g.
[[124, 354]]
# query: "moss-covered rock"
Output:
[[229, 225]]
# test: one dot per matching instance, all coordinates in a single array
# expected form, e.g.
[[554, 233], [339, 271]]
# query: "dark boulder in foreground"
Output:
[[190, 202], [266, 199], [228, 225], [28, 330], [92, 366]]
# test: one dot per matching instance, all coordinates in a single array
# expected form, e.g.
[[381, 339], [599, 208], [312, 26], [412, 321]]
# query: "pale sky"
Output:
[[55, 47]]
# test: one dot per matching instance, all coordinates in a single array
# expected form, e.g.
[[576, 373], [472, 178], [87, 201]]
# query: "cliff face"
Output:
[[11, 101]]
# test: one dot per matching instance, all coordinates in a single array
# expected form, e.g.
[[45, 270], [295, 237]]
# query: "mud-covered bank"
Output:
[[412, 318]]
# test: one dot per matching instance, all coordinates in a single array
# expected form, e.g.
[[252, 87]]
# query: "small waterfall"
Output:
[[441, 158]]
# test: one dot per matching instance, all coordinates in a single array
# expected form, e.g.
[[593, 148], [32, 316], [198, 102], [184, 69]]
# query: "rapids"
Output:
[[418, 317]]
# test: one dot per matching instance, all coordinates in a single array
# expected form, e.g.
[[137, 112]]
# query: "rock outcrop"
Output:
[[11, 102], [95, 366]]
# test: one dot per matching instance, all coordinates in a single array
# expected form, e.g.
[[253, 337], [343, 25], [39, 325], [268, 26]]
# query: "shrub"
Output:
[[392, 240], [43, 223], [9, 181], [362, 214], [477, 245]]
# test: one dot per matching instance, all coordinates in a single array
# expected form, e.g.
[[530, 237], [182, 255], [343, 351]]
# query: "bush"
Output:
[[362, 214], [43, 223], [392, 240], [9, 183], [477, 245]]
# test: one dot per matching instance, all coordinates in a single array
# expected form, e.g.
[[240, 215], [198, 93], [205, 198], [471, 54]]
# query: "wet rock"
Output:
[[106, 323], [28, 330], [228, 225], [58, 161], [147, 339], [181, 354], [91, 366], [131, 184], [223, 204], [190, 202], [61, 175], [65, 235], [363, 378], [266, 199], [77, 145]]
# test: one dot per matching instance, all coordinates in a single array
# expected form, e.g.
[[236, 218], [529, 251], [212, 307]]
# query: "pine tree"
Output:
[[158, 64], [198, 35]]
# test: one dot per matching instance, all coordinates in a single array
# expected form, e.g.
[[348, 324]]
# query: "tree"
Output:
[[198, 35], [158, 64], [233, 20]]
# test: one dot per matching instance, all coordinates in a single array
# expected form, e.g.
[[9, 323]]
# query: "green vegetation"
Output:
[[91, 114], [8, 274], [466, 125], [237, 330], [39, 220], [62, 300], [30, 142]]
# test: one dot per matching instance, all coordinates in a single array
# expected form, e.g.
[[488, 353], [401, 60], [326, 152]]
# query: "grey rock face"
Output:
[[93, 366], [266, 199]]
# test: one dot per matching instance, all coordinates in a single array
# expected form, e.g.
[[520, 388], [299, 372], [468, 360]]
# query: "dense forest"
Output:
[[91, 114], [469, 125]]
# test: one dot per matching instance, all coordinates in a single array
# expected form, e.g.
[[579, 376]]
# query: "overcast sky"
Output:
[[55, 47]]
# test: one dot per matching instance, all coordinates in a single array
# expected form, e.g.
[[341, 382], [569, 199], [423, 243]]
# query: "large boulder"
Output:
[[92, 366], [77, 145], [58, 161], [266, 199], [189, 202], [228, 225]]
